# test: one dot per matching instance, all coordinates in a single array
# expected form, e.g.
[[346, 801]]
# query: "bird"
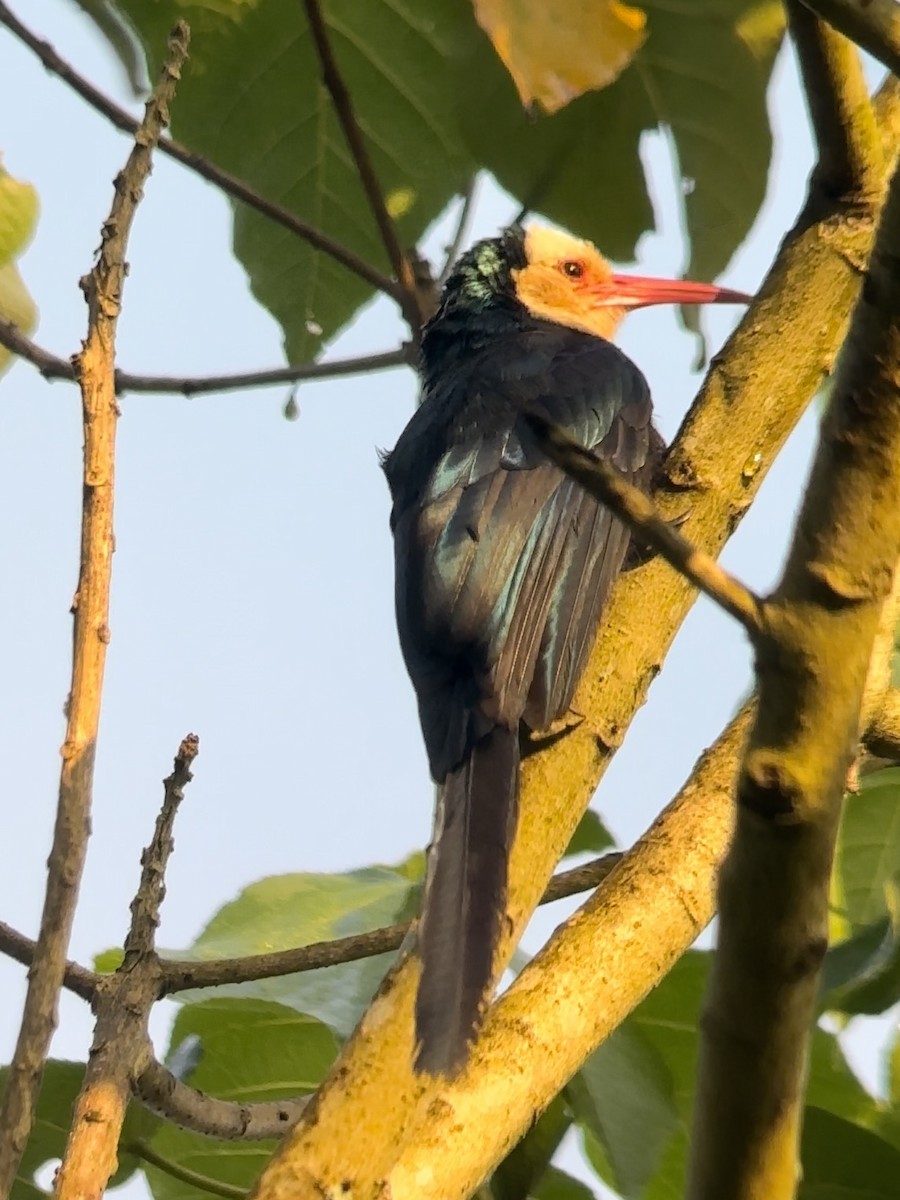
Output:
[[503, 564]]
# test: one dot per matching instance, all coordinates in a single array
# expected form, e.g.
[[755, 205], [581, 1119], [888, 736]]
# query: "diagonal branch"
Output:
[[233, 186], [636, 510], [343, 107], [95, 366], [842, 115], [873, 24], [754, 394]]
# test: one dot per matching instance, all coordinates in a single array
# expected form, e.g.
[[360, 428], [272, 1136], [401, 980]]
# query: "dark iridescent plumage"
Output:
[[502, 568]]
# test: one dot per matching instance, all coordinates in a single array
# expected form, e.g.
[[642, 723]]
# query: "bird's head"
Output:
[[567, 280], [559, 278]]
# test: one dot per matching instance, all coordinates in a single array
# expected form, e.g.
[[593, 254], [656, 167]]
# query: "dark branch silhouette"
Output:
[[343, 107], [52, 367], [239, 189]]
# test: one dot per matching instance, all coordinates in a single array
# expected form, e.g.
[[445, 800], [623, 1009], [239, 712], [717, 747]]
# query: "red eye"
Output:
[[572, 268]]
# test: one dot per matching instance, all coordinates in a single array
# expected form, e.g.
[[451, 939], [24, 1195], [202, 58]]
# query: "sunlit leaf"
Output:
[[555, 52], [250, 1050], [18, 219], [284, 911]]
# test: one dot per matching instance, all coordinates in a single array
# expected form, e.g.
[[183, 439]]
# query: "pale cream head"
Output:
[[568, 281], [556, 283]]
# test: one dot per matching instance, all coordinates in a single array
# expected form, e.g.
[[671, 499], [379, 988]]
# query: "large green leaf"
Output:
[[434, 102], [296, 910], [249, 1050], [624, 1094], [53, 1120], [843, 1161], [862, 974], [657, 1081], [252, 100], [868, 850], [702, 74]]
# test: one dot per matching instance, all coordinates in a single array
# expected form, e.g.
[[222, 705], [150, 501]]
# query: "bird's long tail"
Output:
[[465, 899]]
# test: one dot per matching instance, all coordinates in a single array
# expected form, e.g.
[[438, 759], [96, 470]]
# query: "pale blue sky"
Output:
[[252, 597]]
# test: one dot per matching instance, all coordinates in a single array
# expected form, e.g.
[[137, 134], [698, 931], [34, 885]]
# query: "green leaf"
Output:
[[557, 1185], [296, 910], [868, 850], [107, 962], [528, 1162], [18, 216], [18, 219], [862, 974], [53, 1120], [120, 39], [251, 1050], [252, 100], [842, 1161], [658, 1078], [702, 74], [624, 1094], [590, 837]]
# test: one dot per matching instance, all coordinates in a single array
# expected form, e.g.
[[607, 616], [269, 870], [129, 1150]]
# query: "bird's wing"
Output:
[[503, 564]]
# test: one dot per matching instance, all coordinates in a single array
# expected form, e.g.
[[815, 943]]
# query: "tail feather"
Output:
[[465, 899]]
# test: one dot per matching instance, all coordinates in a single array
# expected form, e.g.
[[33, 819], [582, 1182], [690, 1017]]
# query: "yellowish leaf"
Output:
[[556, 51], [18, 215], [16, 305]]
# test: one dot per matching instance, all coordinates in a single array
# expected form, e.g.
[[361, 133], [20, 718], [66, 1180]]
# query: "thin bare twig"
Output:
[[95, 366], [178, 975], [636, 510], [194, 1179], [152, 889], [462, 228], [52, 367], [76, 979], [122, 1004], [192, 1109], [230, 184], [343, 107], [339, 368], [872, 24]]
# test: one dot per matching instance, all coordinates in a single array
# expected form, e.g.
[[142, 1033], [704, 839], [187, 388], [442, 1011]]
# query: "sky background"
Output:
[[252, 595]]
